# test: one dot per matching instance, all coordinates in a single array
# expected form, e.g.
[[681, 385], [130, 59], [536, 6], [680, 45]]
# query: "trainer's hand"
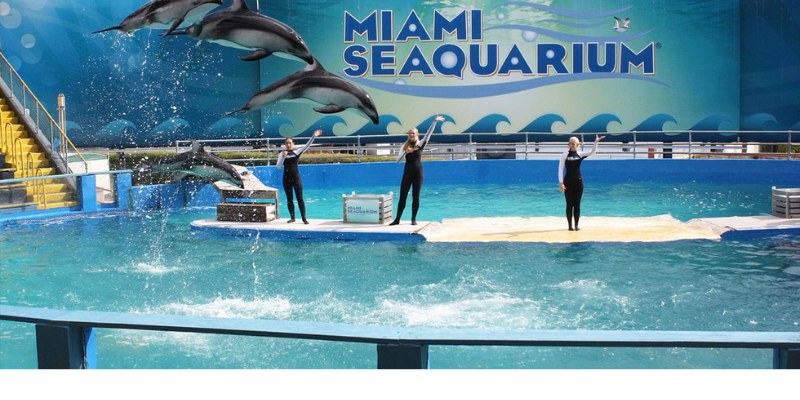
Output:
[[318, 132], [599, 138], [439, 118], [562, 187]]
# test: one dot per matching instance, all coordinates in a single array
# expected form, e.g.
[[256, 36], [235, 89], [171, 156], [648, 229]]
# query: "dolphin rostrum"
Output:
[[200, 164], [165, 14], [314, 83], [239, 27]]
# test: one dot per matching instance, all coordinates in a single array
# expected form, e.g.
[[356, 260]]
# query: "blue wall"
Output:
[[781, 173]]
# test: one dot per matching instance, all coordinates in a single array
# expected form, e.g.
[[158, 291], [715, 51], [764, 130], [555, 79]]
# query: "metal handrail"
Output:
[[29, 170], [6, 135], [17, 156], [40, 107], [39, 188]]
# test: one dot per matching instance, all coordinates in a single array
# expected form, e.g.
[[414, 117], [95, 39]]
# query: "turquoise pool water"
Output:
[[154, 263]]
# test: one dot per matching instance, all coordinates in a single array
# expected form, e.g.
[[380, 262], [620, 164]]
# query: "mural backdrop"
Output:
[[489, 66]]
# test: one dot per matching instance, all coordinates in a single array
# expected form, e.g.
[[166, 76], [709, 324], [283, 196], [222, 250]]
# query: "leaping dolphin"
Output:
[[165, 14], [198, 163], [314, 83], [239, 27]]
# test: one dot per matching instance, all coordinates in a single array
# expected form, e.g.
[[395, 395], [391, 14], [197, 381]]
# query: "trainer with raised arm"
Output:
[[572, 183], [291, 175], [412, 174]]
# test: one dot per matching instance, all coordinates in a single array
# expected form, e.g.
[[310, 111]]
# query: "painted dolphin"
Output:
[[165, 14], [314, 83], [239, 27], [200, 164]]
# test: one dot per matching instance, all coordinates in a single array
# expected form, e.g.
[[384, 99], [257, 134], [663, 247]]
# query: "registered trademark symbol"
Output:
[[658, 45]]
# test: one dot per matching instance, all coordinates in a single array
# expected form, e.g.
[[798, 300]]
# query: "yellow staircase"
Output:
[[28, 160]]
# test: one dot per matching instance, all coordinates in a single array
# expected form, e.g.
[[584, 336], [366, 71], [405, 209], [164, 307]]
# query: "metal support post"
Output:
[[402, 356], [786, 359], [65, 347]]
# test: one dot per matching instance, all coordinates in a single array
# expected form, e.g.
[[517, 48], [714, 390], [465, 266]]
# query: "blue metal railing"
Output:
[[65, 339]]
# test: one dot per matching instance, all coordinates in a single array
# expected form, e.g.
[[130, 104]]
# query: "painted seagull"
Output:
[[621, 25], [239, 27], [199, 164], [316, 84], [165, 14]]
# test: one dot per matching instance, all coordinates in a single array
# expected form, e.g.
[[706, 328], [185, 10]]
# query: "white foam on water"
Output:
[[487, 310], [594, 289], [586, 285], [270, 308], [151, 269]]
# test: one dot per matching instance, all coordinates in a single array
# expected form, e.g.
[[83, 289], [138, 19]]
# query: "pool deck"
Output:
[[661, 228]]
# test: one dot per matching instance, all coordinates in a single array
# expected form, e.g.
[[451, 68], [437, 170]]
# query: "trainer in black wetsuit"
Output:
[[412, 174], [291, 175], [572, 183]]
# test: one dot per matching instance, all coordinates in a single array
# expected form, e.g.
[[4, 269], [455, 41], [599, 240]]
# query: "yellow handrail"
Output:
[[61, 132], [17, 156], [6, 136], [29, 166]]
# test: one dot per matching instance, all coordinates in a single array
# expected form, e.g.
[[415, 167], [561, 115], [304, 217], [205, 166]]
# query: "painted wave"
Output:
[[496, 89], [713, 127]]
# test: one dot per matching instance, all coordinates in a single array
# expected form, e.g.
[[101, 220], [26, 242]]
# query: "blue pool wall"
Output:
[[352, 177]]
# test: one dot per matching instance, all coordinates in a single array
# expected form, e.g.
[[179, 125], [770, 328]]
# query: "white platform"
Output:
[[660, 228]]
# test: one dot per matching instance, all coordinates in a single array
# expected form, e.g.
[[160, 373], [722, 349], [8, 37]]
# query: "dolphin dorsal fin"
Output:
[[315, 66], [239, 5]]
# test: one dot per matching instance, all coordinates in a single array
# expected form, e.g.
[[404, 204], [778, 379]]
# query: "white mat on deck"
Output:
[[659, 228]]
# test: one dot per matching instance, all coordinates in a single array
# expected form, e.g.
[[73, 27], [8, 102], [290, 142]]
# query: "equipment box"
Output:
[[786, 203], [367, 208]]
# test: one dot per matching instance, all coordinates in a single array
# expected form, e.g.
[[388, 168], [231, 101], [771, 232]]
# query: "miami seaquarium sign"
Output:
[[433, 52]]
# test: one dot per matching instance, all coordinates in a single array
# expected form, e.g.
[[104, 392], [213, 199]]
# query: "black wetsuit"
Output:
[[573, 182], [412, 178], [292, 181]]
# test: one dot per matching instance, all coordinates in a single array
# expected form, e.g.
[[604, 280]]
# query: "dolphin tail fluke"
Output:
[[256, 55], [113, 28]]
